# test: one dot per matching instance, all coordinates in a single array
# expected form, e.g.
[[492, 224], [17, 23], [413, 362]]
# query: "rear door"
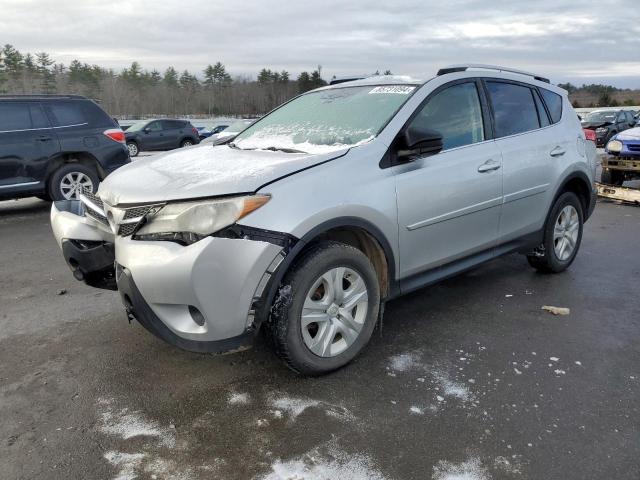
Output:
[[172, 132], [449, 203], [26, 144], [530, 145]]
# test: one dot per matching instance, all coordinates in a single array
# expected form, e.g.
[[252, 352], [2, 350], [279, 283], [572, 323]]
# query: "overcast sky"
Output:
[[572, 40]]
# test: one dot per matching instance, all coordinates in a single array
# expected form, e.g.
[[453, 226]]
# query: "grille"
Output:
[[634, 148], [92, 213], [127, 229], [94, 198], [136, 212]]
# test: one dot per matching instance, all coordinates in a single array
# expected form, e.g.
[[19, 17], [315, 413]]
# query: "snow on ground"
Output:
[[127, 424], [317, 465], [239, 399], [470, 469]]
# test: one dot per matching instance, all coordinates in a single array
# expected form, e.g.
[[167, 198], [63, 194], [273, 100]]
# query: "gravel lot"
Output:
[[468, 379]]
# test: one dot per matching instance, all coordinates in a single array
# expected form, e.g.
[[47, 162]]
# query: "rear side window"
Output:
[[513, 107], [14, 116], [96, 116], [554, 104], [173, 124], [67, 114], [456, 114]]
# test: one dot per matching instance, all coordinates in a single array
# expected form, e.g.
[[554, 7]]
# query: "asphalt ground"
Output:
[[468, 379]]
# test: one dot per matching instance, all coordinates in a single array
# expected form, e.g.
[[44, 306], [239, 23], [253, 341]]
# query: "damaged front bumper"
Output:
[[199, 297]]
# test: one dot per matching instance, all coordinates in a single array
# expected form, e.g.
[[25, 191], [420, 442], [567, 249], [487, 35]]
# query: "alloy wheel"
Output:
[[73, 184], [565, 232]]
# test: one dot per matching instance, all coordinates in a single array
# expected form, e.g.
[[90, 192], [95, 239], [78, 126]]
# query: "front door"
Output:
[[153, 137], [449, 203]]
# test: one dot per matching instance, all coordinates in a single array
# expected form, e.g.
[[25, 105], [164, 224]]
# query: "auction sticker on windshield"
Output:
[[399, 89]]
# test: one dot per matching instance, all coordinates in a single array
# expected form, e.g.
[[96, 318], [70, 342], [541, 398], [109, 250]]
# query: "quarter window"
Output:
[[542, 113], [14, 116], [66, 114], [513, 107], [554, 104], [456, 114]]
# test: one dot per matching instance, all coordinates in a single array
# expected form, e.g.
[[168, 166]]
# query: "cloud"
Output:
[[565, 40]]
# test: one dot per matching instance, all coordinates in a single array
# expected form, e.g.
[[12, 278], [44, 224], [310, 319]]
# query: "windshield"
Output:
[[236, 127], [327, 120], [137, 126], [601, 117]]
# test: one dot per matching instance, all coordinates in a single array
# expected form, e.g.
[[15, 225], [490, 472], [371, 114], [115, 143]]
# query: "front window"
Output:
[[601, 117], [327, 120], [136, 127]]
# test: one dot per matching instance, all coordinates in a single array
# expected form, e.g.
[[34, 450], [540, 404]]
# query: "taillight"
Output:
[[115, 134], [195, 131], [589, 134]]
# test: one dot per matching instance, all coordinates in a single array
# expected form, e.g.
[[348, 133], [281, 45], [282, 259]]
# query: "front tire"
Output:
[[562, 236], [68, 182], [326, 309]]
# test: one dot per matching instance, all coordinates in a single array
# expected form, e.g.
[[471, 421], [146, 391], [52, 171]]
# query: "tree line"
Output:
[[597, 95], [134, 91]]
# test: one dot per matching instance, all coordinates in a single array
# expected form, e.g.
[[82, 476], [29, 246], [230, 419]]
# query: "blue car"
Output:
[[623, 161]]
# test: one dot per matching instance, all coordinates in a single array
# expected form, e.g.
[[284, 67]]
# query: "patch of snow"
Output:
[[518, 372], [239, 399], [416, 410], [317, 466], [453, 389], [128, 424], [578, 362], [295, 406], [554, 359], [559, 372], [471, 469], [127, 463], [404, 362]]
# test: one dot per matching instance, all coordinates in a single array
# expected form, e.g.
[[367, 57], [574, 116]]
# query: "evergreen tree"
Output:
[[47, 75]]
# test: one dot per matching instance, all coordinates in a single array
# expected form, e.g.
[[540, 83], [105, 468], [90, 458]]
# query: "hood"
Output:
[[595, 124], [202, 171], [630, 134]]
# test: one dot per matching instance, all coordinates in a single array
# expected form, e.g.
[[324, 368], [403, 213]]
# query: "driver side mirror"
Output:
[[146, 130], [419, 141]]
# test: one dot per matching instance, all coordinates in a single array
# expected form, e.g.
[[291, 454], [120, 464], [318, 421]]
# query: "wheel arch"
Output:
[[578, 183], [66, 158], [353, 231]]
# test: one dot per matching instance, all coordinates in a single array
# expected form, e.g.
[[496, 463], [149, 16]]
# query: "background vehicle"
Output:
[[206, 132], [53, 146], [230, 132], [623, 161], [165, 134], [607, 123], [274, 231]]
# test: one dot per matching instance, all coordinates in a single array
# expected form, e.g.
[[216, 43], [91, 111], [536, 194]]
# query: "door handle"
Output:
[[43, 138], [489, 166], [557, 152]]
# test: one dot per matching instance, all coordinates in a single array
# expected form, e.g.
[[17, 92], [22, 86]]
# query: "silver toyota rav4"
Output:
[[337, 201]]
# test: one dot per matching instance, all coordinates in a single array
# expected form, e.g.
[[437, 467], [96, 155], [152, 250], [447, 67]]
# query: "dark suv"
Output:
[[53, 146], [165, 134], [608, 123]]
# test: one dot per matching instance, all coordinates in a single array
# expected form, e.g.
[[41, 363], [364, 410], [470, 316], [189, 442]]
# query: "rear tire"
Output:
[[133, 148], [562, 235], [325, 310], [186, 143], [67, 182]]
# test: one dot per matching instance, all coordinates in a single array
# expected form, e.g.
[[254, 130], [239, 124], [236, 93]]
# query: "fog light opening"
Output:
[[196, 315]]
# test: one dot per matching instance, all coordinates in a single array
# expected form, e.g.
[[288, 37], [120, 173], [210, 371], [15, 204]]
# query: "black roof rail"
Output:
[[466, 66], [25, 96], [336, 81]]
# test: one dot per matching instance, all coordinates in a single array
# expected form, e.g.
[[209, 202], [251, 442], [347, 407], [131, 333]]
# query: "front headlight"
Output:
[[189, 221], [614, 146]]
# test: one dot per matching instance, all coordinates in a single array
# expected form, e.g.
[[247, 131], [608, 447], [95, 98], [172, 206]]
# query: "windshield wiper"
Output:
[[283, 149]]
